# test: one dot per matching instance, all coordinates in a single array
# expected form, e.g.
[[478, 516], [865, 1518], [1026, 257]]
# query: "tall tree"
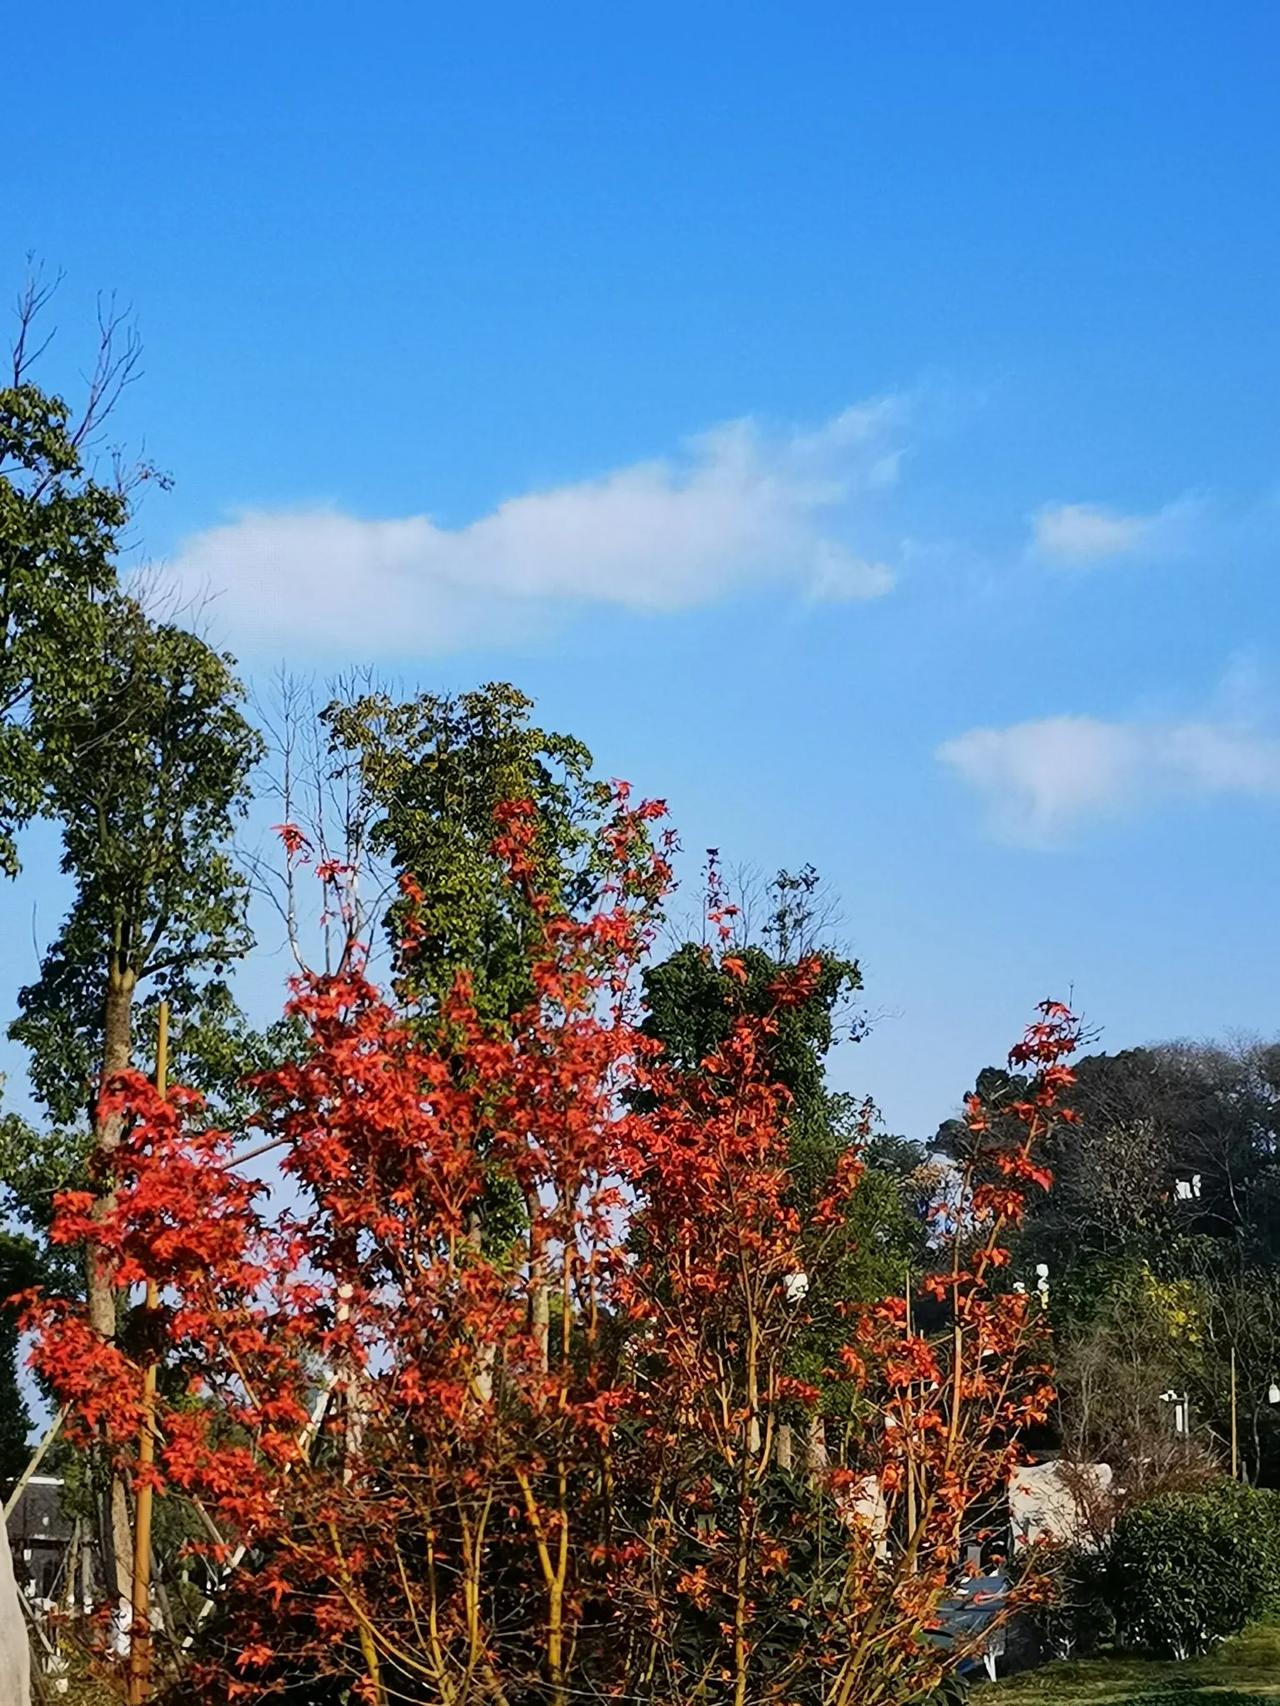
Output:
[[1174, 1146], [605, 1521], [434, 770], [60, 529], [147, 758], [694, 998], [146, 754], [435, 773]]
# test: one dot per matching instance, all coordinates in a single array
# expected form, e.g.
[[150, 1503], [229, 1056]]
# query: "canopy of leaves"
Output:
[[691, 1013], [694, 997], [1185, 1570], [58, 535], [483, 1510], [436, 768], [147, 755], [19, 1269], [1169, 1142], [1162, 1239]]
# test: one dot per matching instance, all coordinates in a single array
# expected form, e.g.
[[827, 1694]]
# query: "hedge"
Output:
[[1185, 1570]]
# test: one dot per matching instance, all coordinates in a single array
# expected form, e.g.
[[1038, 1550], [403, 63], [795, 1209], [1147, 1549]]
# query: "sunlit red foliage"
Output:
[[494, 1411]]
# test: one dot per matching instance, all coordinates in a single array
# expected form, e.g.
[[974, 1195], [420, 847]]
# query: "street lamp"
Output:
[[1181, 1406]]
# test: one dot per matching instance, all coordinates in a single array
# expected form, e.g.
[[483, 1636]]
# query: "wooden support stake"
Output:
[[51, 1433]]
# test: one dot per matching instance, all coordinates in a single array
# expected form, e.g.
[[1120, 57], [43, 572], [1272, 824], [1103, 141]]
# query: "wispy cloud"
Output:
[[735, 507], [1041, 780], [1078, 535]]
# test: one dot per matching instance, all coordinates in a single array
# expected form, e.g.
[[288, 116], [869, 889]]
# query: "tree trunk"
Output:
[[117, 1046], [816, 1460], [783, 1446], [486, 1354], [117, 1056], [539, 1302]]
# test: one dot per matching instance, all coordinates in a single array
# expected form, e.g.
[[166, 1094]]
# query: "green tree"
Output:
[[430, 774], [433, 771], [1168, 1179], [19, 1268], [147, 756], [60, 530], [693, 996], [1171, 1142]]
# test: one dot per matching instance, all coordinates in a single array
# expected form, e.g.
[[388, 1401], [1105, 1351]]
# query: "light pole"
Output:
[[1181, 1410]]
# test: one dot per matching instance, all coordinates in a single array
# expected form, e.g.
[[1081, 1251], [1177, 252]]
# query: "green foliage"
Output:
[[58, 534], [880, 1241], [436, 768], [952, 1691], [1071, 1613], [1185, 1570], [802, 1592], [19, 1268], [433, 771], [1148, 1118], [212, 1050], [147, 755], [33, 1165], [692, 1002], [1160, 1235]]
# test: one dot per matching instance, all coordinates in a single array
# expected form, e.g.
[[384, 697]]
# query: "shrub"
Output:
[[1070, 1614], [1185, 1570]]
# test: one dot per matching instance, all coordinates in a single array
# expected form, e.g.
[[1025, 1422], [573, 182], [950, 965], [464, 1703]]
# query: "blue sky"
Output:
[[858, 422]]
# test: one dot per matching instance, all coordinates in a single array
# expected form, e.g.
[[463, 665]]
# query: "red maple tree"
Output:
[[491, 1411]]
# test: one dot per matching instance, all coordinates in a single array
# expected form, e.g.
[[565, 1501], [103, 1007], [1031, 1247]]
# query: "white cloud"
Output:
[[839, 576], [1040, 780], [736, 507], [1078, 535], [1082, 533]]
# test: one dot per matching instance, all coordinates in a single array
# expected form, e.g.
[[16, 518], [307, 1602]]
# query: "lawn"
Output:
[[1242, 1672]]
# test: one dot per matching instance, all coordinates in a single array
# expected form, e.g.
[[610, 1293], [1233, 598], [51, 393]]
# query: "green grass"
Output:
[[1242, 1672]]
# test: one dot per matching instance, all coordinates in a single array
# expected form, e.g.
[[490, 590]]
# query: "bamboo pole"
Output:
[[140, 1633], [1235, 1421], [51, 1433]]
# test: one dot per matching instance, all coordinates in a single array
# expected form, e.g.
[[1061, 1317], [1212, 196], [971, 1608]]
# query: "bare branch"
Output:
[[33, 299], [321, 796], [115, 368]]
